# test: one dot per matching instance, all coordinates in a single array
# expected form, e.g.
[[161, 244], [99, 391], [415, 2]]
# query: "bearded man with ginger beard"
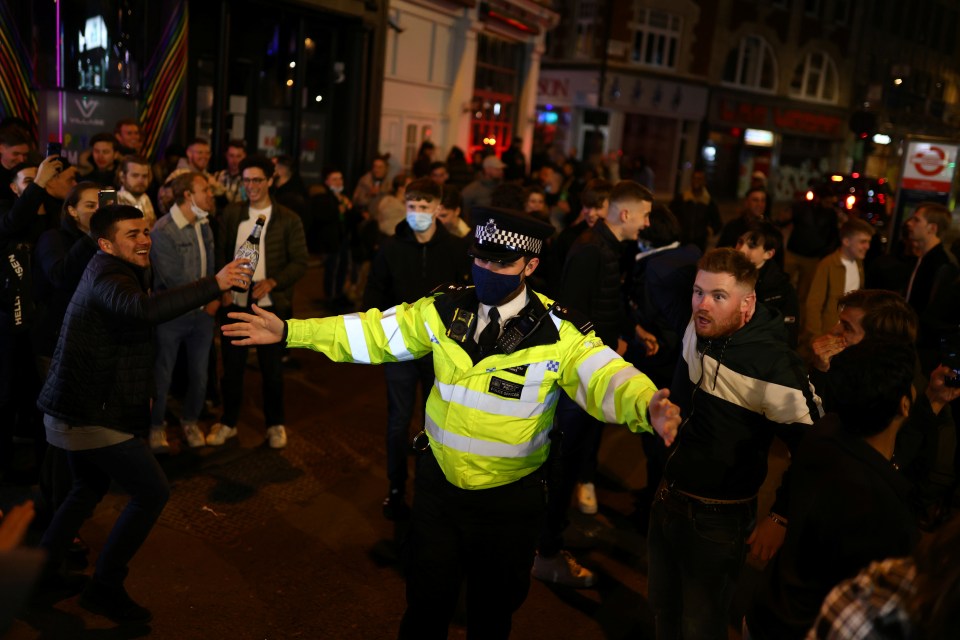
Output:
[[738, 384]]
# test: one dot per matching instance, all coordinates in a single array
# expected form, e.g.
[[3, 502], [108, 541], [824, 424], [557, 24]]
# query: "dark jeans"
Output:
[[486, 536], [271, 371], [195, 331], [573, 435], [132, 466], [402, 381], [696, 553], [20, 384], [335, 267]]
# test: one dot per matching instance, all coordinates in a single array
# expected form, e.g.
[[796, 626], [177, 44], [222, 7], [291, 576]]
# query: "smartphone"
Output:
[[107, 196], [53, 149], [950, 357]]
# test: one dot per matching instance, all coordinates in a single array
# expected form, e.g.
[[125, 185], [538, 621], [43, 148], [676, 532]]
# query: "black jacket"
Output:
[[816, 232], [694, 218], [405, 270], [774, 289], [591, 283], [659, 294], [59, 260], [847, 509], [760, 389], [102, 371]]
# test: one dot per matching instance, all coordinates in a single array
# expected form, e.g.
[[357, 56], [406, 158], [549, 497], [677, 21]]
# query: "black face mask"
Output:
[[493, 287]]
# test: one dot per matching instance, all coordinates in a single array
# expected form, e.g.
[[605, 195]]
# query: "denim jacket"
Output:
[[175, 254]]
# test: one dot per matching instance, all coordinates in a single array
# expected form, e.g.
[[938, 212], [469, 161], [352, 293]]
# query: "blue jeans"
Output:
[[402, 381], [195, 331], [132, 466], [696, 553]]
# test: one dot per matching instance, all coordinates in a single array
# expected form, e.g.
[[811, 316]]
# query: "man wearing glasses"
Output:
[[283, 261]]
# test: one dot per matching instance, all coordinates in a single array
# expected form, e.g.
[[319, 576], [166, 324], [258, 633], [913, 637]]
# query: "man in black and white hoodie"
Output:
[[738, 385]]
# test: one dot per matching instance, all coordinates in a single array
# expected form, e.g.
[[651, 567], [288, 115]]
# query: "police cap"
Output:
[[502, 235]]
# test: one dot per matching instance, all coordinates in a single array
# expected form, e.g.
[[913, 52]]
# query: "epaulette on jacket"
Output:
[[574, 317], [448, 288]]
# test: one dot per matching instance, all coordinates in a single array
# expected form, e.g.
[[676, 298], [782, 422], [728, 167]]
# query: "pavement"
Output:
[[259, 543]]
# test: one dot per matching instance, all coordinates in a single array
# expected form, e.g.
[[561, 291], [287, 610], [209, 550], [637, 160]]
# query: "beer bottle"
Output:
[[250, 250]]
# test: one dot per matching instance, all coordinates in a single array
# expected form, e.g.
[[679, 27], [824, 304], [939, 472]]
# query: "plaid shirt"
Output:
[[871, 605]]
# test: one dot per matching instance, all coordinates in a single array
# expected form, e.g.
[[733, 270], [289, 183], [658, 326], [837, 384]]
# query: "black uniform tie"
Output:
[[488, 337]]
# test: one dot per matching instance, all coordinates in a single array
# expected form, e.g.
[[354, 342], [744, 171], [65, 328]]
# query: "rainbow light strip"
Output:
[[163, 96], [17, 98]]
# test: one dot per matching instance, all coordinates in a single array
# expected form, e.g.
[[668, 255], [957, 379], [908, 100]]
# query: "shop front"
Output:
[[301, 79], [643, 121], [792, 143]]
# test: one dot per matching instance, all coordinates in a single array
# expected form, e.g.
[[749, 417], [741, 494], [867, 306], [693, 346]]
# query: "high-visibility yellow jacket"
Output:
[[488, 419]]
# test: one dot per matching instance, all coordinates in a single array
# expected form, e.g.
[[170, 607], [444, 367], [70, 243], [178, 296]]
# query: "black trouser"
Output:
[[487, 536], [271, 371], [575, 430]]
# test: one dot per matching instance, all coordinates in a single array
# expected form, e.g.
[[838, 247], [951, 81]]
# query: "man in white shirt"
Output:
[[283, 261]]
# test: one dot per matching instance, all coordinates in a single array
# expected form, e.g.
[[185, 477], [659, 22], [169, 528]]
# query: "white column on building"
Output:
[[527, 107], [459, 113]]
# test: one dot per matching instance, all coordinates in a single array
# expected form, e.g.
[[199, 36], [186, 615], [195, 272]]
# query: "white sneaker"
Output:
[[277, 436], [158, 440], [220, 433], [193, 434], [587, 498]]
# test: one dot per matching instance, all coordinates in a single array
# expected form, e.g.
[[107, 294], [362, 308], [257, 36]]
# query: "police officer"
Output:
[[502, 354]]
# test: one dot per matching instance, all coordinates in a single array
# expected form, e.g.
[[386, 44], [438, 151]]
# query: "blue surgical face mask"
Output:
[[492, 287], [419, 221]]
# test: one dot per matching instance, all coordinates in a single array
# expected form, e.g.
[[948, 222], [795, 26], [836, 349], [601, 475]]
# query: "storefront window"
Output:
[[656, 38], [752, 65], [815, 79], [495, 89], [100, 46]]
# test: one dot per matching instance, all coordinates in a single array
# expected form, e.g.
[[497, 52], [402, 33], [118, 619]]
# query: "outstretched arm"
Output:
[[664, 416], [260, 327]]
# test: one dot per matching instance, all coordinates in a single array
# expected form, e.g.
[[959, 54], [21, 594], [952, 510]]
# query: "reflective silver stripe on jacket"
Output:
[[391, 328], [467, 444], [588, 368], [610, 397], [358, 344], [430, 333], [525, 408]]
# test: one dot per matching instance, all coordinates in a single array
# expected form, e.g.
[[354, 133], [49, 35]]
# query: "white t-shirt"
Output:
[[852, 280], [260, 273]]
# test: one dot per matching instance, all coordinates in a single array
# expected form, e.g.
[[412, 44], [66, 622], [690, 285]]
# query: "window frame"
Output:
[[766, 51], [644, 38], [827, 64]]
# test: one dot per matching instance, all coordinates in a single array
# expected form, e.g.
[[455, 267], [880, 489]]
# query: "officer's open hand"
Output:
[[665, 416], [262, 328]]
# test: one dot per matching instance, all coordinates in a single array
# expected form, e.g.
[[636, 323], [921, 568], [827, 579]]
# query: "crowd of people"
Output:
[[495, 297]]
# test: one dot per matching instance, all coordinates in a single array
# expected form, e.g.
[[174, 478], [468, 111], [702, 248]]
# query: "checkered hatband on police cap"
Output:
[[489, 233]]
